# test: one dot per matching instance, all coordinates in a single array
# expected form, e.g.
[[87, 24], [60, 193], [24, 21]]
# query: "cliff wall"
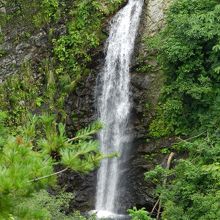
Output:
[[145, 86]]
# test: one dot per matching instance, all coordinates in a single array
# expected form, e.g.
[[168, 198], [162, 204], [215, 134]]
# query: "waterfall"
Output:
[[114, 104]]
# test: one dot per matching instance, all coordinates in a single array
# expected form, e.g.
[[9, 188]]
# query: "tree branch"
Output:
[[155, 206], [47, 176], [186, 140], [81, 136], [168, 164]]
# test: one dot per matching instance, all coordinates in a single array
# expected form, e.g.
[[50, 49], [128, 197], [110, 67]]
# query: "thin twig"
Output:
[[168, 164], [47, 176], [158, 211], [185, 140], [152, 211]]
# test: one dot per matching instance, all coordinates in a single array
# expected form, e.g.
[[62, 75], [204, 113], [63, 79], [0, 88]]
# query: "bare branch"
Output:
[[47, 176], [168, 164]]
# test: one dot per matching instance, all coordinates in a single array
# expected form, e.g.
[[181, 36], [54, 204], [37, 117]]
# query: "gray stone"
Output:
[[3, 10], [28, 57], [21, 47], [39, 39]]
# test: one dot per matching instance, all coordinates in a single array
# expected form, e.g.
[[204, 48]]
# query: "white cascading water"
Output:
[[114, 104]]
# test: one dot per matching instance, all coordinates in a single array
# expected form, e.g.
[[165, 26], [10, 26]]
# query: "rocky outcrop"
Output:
[[21, 44], [146, 85], [17, 53], [24, 43], [154, 16]]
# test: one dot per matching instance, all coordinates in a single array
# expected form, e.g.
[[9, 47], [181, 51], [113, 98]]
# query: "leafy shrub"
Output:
[[189, 53], [27, 158], [84, 33], [192, 191], [42, 205], [18, 95], [191, 69], [48, 12], [140, 214]]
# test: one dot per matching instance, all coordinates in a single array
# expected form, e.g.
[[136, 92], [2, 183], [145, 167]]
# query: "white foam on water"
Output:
[[102, 214]]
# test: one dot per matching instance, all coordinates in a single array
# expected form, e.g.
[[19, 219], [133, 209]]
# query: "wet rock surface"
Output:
[[81, 111]]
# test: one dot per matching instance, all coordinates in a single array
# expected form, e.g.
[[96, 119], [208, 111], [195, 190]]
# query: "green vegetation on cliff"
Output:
[[189, 53], [34, 147], [69, 53]]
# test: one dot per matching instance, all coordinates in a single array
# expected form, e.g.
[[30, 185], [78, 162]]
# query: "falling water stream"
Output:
[[114, 106]]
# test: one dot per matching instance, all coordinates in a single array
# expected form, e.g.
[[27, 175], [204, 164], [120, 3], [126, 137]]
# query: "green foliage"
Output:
[[81, 153], [157, 175], [3, 130], [189, 54], [19, 163], [35, 12], [84, 33], [45, 206], [27, 159], [42, 205], [140, 214], [18, 95], [194, 192], [70, 54], [191, 69], [30, 146], [23, 93], [48, 12]]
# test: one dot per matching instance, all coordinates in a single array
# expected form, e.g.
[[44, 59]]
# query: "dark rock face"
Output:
[[81, 109], [83, 187], [81, 104], [24, 43], [17, 52]]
